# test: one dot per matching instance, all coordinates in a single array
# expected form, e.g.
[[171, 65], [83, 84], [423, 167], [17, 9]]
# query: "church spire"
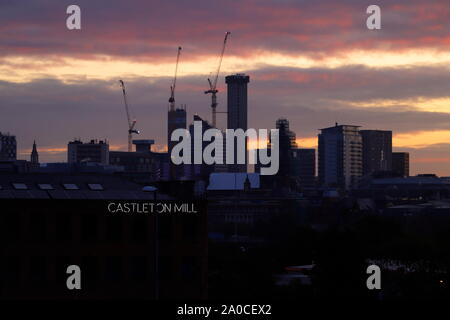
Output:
[[34, 155]]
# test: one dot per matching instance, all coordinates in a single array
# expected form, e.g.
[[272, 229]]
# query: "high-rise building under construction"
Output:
[[176, 119]]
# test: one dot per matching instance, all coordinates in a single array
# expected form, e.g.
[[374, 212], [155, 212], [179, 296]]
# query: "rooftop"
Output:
[[341, 126], [70, 186], [144, 141]]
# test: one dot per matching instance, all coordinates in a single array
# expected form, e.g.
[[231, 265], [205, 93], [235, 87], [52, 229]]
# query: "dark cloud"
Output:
[[151, 29]]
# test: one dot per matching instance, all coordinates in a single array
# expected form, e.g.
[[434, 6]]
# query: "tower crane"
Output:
[[172, 87], [213, 84], [131, 123]]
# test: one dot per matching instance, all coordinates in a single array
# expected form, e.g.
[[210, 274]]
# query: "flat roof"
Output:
[[144, 141], [341, 125]]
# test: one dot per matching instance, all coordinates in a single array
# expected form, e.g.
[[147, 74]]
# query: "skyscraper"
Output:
[[8, 147], [237, 110], [286, 144], [400, 163], [176, 119], [340, 156], [237, 101], [377, 150]]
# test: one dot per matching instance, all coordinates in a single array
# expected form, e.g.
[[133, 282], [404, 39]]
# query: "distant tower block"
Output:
[[237, 110], [340, 156], [93, 151], [8, 147], [237, 101]]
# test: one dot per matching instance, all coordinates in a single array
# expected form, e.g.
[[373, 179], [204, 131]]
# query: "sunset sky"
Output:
[[312, 62]]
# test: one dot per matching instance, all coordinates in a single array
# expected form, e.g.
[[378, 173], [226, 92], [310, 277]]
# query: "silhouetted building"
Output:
[[237, 111], [400, 163], [176, 119], [221, 154], [18, 166], [163, 166], [52, 221], [8, 147], [377, 150], [237, 101], [238, 203], [340, 156], [286, 143], [139, 161], [303, 163], [142, 166], [93, 151], [34, 157], [203, 170], [416, 188], [143, 145], [237, 198], [258, 164], [293, 161]]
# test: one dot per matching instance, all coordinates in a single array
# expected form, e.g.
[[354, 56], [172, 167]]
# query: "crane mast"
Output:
[[172, 87], [213, 84], [131, 123]]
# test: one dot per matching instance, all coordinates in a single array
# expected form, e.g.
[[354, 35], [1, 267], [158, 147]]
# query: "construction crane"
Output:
[[172, 87], [131, 123], [213, 84]]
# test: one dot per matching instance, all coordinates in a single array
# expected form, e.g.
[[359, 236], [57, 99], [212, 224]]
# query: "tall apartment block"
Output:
[[8, 147], [92, 151], [237, 110], [340, 156], [377, 150]]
